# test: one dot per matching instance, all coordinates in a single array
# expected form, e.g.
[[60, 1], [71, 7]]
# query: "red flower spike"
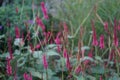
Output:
[[100, 78], [78, 70], [28, 36], [58, 48], [17, 32], [115, 34], [45, 64], [65, 53], [102, 45], [68, 65], [9, 43], [40, 23], [8, 67], [111, 55], [37, 46], [27, 77], [57, 41], [44, 10], [90, 54], [94, 40]]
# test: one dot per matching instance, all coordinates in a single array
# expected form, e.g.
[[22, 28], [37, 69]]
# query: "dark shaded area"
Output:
[[5, 2], [1, 1]]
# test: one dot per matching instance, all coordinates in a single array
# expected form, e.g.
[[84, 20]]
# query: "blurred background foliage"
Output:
[[79, 13]]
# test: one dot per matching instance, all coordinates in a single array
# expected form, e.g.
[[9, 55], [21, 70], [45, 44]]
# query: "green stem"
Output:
[[90, 40], [105, 52], [22, 10], [46, 75], [96, 54]]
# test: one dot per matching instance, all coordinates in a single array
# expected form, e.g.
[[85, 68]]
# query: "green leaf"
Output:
[[2, 36], [51, 46], [85, 48], [98, 69], [98, 58], [17, 52], [37, 54], [70, 37], [86, 58], [52, 53], [80, 77], [54, 78], [4, 55], [114, 76], [35, 73], [21, 61]]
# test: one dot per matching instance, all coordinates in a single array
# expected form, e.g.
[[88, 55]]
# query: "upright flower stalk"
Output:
[[44, 60], [94, 40], [100, 78], [17, 32], [40, 23], [58, 41], [8, 67], [65, 53], [44, 10], [78, 69], [9, 43], [68, 65], [115, 34], [102, 45]]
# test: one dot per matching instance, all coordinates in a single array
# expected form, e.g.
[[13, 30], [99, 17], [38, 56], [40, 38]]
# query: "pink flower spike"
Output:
[[68, 65], [8, 67], [37, 46], [44, 10], [58, 48], [78, 70], [57, 41], [27, 77], [106, 26], [40, 23], [100, 78], [58, 34], [9, 43], [65, 53], [111, 55], [45, 64], [102, 45], [94, 41], [115, 34], [17, 32]]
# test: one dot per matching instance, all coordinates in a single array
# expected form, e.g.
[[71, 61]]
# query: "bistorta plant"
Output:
[[42, 54]]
